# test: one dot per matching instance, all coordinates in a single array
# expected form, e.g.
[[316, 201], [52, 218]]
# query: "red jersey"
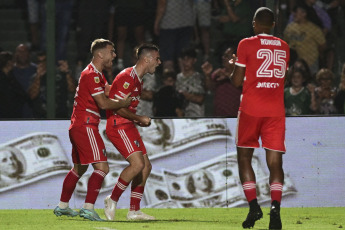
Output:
[[127, 81], [85, 108], [266, 59]]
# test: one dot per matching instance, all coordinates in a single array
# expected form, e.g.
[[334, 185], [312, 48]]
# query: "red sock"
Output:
[[249, 189], [136, 195], [119, 188], [276, 191], [68, 186], [94, 186]]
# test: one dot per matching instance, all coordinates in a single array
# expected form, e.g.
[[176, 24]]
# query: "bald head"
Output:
[[22, 56]]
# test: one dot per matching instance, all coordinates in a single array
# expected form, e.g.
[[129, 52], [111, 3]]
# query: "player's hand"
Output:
[[233, 60], [126, 101], [144, 121]]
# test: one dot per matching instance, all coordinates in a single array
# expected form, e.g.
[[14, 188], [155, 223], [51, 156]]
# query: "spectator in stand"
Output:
[[236, 18], [167, 101], [63, 12], [300, 63], [22, 71], [33, 17], [12, 96], [127, 14], [91, 20], [64, 85], [297, 98], [320, 17], [226, 96], [340, 98], [305, 38], [325, 93], [202, 12], [190, 83], [23, 67], [174, 25]]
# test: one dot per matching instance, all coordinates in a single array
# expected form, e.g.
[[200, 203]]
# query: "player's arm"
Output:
[[113, 104], [142, 121], [107, 90], [237, 76]]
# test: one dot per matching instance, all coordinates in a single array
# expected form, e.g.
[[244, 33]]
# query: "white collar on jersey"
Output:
[[96, 70], [265, 35], [135, 71]]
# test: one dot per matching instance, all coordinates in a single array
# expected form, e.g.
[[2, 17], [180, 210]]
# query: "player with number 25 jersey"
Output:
[[261, 66], [266, 60]]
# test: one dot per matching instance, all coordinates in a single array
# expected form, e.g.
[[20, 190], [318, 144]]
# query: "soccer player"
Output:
[[122, 132], [261, 66], [87, 144]]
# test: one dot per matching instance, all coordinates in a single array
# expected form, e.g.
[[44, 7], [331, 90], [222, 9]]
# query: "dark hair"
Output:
[[144, 48], [5, 57], [169, 73], [188, 52], [264, 16], [100, 43], [293, 70]]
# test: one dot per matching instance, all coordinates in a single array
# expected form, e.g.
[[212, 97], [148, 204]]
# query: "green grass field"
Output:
[[203, 218]]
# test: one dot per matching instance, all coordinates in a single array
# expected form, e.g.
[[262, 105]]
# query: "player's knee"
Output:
[[106, 170], [148, 167], [138, 166]]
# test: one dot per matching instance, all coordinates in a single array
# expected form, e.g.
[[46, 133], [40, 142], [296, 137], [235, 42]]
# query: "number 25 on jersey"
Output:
[[277, 58]]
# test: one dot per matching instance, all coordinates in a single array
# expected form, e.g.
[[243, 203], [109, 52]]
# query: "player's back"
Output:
[[266, 59]]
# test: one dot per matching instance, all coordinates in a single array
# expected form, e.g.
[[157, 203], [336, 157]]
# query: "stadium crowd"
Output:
[[196, 39]]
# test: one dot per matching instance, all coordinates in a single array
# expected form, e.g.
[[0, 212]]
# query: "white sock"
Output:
[[63, 205], [88, 206]]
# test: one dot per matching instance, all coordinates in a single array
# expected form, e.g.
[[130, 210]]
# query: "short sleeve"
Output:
[[241, 54], [122, 86], [95, 84]]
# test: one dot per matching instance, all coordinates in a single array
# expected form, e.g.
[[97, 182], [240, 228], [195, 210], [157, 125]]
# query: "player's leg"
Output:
[[136, 165], [138, 185], [92, 151], [94, 185], [247, 138], [273, 140], [248, 180], [68, 187], [275, 165]]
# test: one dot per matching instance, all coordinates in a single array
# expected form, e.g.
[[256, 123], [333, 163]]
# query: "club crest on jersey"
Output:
[[126, 85], [137, 143], [96, 79]]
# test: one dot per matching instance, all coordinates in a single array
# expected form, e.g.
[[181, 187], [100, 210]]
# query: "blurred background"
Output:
[[45, 45]]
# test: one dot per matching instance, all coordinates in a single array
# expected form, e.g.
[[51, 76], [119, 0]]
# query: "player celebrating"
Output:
[[87, 144], [122, 132], [261, 67]]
